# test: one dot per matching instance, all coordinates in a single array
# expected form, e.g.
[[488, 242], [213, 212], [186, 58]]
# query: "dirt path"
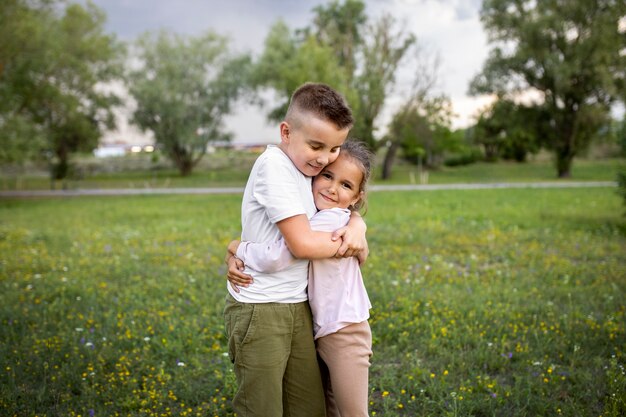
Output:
[[239, 190]]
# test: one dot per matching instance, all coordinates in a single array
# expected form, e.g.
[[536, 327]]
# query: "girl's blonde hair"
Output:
[[359, 153]]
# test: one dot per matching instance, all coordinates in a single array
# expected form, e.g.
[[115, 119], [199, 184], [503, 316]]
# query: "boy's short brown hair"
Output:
[[323, 102]]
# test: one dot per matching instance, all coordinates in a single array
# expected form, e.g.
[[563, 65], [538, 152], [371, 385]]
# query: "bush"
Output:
[[469, 156]]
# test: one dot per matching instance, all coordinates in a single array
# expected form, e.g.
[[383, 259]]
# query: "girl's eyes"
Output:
[[326, 175], [346, 185]]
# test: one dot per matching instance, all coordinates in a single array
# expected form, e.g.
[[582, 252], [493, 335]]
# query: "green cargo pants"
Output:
[[272, 349]]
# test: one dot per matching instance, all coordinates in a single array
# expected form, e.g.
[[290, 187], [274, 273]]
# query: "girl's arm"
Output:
[[299, 239], [275, 256], [235, 275], [266, 257]]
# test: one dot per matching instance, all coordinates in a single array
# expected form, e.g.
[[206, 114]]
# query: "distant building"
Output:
[[105, 151]]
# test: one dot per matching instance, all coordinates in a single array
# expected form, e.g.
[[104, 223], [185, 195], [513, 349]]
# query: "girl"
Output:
[[336, 292]]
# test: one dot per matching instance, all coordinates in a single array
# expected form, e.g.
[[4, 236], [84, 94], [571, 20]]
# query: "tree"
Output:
[[288, 61], [419, 116], [384, 49], [569, 52], [422, 129], [184, 86], [343, 49], [340, 26], [509, 130], [53, 62]]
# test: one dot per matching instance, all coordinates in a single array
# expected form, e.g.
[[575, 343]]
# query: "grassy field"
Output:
[[227, 169], [485, 303]]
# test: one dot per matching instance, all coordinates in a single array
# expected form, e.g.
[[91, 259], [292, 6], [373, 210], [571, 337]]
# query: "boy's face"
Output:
[[312, 144]]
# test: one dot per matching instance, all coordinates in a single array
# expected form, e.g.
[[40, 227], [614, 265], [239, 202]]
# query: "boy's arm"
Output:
[[354, 242], [305, 243]]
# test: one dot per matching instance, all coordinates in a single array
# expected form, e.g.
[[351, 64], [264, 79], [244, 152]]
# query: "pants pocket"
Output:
[[238, 318]]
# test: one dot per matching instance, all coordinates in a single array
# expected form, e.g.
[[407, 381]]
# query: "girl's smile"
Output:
[[338, 185]]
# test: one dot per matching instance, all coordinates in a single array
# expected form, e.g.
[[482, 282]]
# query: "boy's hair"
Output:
[[321, 101], [359, 153]]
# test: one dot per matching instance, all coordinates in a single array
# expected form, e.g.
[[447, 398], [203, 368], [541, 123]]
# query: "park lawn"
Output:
[[232, 169], [541, 170], [485, 302]]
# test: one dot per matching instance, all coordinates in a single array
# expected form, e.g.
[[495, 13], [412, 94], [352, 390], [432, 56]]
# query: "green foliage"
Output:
[[342, 49], [14, 149], [569, 51], [509, 130], [184, 87], [492, 302], [289, 61], [424, 132], [53, 63], [466, 154], [340, 27], [385, 47]]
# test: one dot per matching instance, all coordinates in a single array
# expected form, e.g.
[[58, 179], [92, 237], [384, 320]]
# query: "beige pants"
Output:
[[345, 369]]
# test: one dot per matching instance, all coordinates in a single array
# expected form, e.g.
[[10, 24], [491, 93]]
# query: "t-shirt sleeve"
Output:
[[276, 189], [329, 220], [266, 257]]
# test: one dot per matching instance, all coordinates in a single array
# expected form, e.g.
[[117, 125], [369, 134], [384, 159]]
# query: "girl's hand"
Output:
[[235, 274]]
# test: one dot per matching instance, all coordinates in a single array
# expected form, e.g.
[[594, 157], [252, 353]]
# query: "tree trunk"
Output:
[[564, 165], [59, 168], [491, 152], [182, 159], [185, 167], [566, 150], [390, 157]]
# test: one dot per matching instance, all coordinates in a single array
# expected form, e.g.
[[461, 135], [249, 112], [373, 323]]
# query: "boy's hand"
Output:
[[352, 245], [235, 274], [354, 241]]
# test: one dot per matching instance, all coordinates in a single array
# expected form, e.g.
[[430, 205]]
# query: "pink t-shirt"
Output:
[[336, 291]]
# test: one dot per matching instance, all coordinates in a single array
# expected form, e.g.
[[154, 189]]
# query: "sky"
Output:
[[449, 28]]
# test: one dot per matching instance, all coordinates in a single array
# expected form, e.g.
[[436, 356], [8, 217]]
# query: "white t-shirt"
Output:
[[276, 190], [337, 294]]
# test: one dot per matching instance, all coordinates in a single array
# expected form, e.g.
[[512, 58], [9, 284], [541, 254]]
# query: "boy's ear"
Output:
[[284, 132]]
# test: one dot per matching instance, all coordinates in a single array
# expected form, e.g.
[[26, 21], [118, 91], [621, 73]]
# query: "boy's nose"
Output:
[[323, 159]]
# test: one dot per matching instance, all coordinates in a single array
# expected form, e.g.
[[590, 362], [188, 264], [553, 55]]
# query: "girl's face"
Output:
[[338, 185]]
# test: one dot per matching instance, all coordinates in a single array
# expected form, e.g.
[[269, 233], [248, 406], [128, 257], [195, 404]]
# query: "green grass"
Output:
[[485, 303], [503, 171], [229, 169]]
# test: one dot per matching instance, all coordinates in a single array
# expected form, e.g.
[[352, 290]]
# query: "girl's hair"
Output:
[[363, 157]]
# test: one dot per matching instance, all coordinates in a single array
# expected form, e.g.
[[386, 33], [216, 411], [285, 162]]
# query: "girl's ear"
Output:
[[357, 199], [284, 132]]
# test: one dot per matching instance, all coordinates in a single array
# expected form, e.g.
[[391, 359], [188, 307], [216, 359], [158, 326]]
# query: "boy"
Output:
[[269, 323]]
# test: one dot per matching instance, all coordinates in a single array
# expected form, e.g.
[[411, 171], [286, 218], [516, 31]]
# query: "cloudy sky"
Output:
[[450, 28]]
